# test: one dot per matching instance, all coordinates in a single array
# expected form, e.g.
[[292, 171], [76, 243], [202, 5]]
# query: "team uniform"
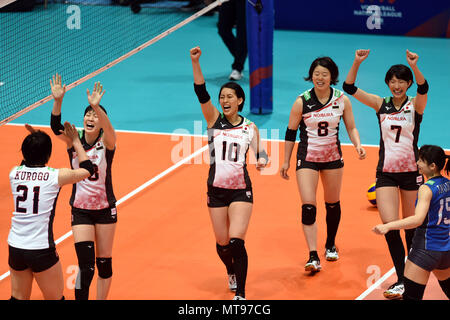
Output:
[[319, 147], [431, 242], [31, 243], [399, 132], [228, 178], [93, 199]]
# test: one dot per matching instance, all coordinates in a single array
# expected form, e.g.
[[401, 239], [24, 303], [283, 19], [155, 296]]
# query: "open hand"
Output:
[[96, 96], [58, 90]]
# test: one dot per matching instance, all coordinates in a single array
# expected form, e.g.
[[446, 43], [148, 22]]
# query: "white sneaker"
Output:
[[395, 291], [239, 298], [313, 265], [236, 75], [232, 282], [331, 254]]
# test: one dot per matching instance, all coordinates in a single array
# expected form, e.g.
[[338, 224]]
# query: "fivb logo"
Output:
[[374, 19], [74, 20]]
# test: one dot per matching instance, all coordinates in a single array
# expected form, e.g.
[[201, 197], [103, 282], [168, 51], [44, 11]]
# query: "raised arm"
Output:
[[420, 101], [109, 134], [58, 92], [349, 87], [70, 176], [209, 111]]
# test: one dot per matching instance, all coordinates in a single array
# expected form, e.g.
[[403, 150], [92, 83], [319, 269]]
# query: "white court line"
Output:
[[369, 290], [134, 192]]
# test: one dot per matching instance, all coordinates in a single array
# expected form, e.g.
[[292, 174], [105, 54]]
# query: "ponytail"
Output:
[[447, 166]]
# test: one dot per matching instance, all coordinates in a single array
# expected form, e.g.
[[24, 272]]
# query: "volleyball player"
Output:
[[230, 195], [431, 243], [317, 114], [35, 188], [93, 202], [397, 176]]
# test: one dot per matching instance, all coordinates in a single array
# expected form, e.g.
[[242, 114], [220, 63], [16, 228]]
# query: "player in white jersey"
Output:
[[317, 113], [397, 176], [93, 203], [230, 195], [35, 188]]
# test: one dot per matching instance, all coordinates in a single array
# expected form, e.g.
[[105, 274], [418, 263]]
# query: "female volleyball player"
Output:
[[230, 195], [35, 188], [317, 113], [399, 118], [93, 203], [431, 243]]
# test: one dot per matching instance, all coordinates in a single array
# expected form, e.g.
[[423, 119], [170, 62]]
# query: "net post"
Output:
[[260, 25]]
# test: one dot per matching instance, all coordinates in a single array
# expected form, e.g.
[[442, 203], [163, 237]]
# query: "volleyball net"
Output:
[[76, 38]]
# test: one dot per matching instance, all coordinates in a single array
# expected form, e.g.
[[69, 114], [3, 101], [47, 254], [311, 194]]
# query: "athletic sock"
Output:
[[397, 251], [240, 264], [333, 218], [226, 256]]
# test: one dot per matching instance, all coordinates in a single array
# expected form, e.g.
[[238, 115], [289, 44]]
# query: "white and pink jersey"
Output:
[[35, 192], [228, 146], [398, 138], [319, 128], [95, 192]]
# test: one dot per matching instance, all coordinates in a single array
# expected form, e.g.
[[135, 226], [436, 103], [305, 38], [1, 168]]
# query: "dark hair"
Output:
[[89, 108], [400, 71], [434, 154], [237, 89], [37, 148], [325, 62]]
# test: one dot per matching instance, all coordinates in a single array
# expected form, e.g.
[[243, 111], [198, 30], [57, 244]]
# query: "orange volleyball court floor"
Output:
[[164, 247]]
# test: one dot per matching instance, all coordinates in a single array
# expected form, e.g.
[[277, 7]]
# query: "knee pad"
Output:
[[104, 267], [413, 290], [86, 262], [309, 212]]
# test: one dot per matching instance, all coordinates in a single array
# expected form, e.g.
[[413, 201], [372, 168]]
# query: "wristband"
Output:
[[87, 164]]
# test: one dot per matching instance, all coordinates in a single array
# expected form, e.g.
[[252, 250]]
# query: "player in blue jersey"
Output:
[[431, 243], [230, 195]]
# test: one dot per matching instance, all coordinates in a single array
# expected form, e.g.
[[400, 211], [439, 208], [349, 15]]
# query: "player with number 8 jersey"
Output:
[[317, 113]]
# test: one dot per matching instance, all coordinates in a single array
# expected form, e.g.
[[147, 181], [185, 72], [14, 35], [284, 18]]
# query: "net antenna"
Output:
[[112, 63]]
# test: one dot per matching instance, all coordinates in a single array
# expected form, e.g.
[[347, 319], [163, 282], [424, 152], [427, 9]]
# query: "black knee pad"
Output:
[[86, 262], [413, 290], [309, 212], [104, 267]]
